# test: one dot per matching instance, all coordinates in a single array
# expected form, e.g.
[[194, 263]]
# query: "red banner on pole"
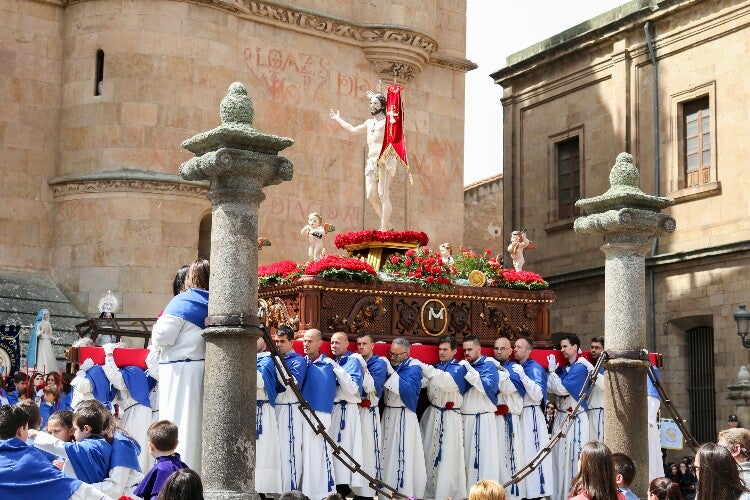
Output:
[[394, 146]]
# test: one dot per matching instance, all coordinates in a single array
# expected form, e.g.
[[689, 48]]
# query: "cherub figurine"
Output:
[[518, 242], [446, 253], [315, 230]]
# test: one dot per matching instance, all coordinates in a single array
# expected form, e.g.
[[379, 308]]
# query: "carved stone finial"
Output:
[[237, 107], [624, 172]]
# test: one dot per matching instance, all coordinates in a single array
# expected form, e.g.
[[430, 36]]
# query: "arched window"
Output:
[[204, 237]]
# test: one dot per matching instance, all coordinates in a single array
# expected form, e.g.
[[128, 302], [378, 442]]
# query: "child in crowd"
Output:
[[24, 472], [624, 474], [20, 381], [50, 403], [60, 425], [89, 456], [162, 442], [183, 484], [66, 392], [124, 472]]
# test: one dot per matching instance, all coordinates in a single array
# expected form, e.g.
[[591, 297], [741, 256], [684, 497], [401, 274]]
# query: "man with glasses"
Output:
[[403, 453], [596, 397], [539, 483], [441, 424], [508, 417]]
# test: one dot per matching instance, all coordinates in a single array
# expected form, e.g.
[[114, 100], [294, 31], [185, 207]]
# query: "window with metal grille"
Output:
[[697, 146], [700, 387], [567, 153]]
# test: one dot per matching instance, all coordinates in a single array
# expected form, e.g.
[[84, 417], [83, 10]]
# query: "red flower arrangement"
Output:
[[346, 268], [358, 237], [522, 280], [420, 266], [469, 261], [278, 273]]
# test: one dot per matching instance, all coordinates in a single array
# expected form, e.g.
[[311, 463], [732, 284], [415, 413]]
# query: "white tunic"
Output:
[[267, 457], [372, 440], [135, 418], [289, 425], [655, 468], [596, 410], [443, 437], [181, 366], [509, 430], [482, 449], [568, 450], [403, 453], [346, 426], [534, 437], [318, 480]]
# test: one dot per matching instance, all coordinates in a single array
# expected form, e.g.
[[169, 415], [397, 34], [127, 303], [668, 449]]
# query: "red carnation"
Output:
[[394, 259], [502, 410], [449, 405], [570, 409], [409, 253], [430, 280], [488, 251], [366, 403], [407, 261]]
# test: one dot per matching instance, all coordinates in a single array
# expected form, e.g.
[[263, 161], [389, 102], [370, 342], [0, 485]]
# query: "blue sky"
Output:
[[494, 30]]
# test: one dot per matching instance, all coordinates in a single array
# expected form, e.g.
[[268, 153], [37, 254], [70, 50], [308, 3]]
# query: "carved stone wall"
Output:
[[91, 193]]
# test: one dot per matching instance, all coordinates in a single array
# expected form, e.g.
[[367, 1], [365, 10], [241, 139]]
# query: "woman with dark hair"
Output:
[[718, 474], [596, 475], [663, 488], [686, 480], [178, 337], [178, 284], [183, 484]]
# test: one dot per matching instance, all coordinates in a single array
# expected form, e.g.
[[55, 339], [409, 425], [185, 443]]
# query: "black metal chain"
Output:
[[546, 450], [691, 441], [314, 422]]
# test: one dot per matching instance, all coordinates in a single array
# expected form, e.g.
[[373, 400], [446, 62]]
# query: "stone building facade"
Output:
[[483, 208], [571, 104], [98, 95]]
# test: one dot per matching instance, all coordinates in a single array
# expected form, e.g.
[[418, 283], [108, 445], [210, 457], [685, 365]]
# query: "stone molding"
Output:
[[395, 52], [126, 181]]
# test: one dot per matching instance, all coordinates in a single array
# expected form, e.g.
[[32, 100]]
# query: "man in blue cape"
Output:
[[319, 389], [595, 409], [442, 425], [482, 447], [372, 392], [540, 483], [289, 418], [567, 381], [403, 453], [267, 457]]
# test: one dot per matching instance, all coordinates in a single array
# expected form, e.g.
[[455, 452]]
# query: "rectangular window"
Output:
[[567, 153], [697, 141]]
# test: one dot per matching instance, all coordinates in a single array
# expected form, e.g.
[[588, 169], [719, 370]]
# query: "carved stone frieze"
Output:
[[396, 52], [126, 180]]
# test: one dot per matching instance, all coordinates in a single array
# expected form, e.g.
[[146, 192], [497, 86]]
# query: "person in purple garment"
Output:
[[162, 442]]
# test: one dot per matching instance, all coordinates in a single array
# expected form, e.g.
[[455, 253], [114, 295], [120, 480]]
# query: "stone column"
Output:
[[628, 218], [239, 161], [740, 394]]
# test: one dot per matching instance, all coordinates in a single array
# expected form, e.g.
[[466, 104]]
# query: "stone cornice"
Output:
[[126, 181], [395, 52]]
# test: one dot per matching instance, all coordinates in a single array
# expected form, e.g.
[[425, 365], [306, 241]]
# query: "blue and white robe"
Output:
[[567, 383], [290, 423]]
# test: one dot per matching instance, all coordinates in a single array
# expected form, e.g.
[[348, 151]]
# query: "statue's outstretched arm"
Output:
[[345, 124]]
